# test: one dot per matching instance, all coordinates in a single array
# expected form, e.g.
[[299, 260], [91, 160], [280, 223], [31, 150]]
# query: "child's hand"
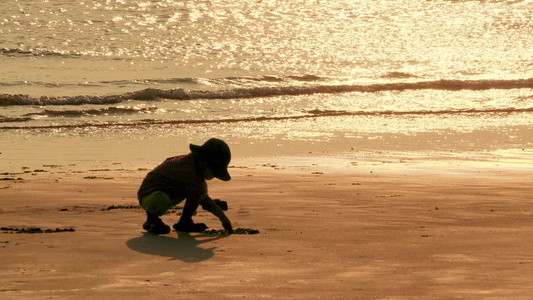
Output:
[[227, 225]]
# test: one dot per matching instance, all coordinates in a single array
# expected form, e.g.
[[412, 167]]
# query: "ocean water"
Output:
[[303, 75]]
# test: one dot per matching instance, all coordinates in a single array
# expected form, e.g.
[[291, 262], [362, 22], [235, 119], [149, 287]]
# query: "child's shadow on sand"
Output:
[[184, 248]]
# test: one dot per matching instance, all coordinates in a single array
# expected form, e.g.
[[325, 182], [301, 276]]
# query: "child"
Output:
[[184, 177]]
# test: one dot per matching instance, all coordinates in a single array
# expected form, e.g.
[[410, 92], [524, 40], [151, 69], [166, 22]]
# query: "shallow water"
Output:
[[332, 75]]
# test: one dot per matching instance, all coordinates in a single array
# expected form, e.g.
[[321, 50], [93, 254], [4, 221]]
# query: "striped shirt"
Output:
[[180, 176]]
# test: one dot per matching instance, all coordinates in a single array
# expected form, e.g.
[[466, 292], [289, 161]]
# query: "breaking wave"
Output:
[[35, 52], [152, 94], [307, 115], [109, 111], [4, 119], [91, 112]]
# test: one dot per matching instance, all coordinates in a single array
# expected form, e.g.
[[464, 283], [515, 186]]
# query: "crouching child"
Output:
[[182, 178]]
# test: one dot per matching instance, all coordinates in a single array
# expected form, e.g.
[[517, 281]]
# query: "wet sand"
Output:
[[370, 232]]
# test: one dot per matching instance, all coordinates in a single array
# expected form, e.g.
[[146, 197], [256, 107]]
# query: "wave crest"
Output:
[[152, 94], [307, 115], [34, 52], [91, 112], [5, 119]]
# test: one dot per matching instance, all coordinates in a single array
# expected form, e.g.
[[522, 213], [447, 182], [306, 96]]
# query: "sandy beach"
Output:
[[373, 232]]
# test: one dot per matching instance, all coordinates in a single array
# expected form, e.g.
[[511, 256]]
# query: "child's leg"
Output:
[[175, 201], [156, 204], [186, 223], [188, 210]]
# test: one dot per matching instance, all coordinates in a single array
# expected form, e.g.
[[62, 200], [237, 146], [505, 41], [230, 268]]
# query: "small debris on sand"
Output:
[[235, 231], [122, 207], [34, 230]]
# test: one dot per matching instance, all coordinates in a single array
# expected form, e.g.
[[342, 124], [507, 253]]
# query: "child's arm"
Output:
[[209, 205]]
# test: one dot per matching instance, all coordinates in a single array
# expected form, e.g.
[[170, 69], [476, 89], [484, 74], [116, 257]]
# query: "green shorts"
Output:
[[157, 203]]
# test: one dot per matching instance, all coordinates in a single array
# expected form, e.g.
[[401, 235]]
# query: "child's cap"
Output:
[[215, 153]]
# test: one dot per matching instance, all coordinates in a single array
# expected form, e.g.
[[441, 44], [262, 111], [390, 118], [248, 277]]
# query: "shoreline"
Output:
[[473, 164], [131, 151]]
